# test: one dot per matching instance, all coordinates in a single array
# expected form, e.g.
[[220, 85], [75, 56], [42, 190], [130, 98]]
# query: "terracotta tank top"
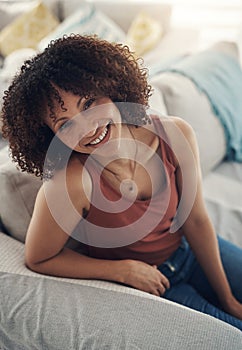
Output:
[[142, 230]]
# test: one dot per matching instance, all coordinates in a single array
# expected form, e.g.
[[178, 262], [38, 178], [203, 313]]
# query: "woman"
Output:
[[116, 177]]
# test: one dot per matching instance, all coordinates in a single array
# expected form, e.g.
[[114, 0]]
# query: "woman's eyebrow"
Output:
[[62, 118]]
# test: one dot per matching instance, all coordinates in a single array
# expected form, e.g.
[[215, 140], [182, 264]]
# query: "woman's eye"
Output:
[[88, 103], [65, 126]]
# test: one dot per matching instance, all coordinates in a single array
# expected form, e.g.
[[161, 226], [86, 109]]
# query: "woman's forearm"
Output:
[[203, 241], [71, 264]]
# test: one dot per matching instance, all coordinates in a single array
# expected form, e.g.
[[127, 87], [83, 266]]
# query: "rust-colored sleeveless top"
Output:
[[142, 230]]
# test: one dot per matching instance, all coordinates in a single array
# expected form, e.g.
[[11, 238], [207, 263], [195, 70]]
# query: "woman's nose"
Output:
[[87, 129], [89, 132]]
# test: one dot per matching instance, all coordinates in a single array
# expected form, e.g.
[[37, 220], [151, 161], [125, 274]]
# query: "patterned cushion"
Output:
[[144, 33], [28, 29], [11, 10]]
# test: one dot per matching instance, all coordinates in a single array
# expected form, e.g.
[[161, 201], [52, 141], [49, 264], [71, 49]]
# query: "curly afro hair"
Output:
[[83, 65]]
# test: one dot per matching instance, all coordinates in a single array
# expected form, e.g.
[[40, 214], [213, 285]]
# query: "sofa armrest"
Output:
[[49, 312]]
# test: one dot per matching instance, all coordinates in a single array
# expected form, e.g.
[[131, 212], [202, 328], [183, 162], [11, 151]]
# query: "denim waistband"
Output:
[[179, 266]]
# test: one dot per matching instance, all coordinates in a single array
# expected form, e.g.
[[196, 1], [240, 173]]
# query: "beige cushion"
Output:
[[27, 29], [144, 33], [11, 10], [18, 191]]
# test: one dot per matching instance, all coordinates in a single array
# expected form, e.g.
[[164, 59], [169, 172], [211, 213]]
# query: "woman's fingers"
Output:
[[159, 290], [165, 281], [147, 278]]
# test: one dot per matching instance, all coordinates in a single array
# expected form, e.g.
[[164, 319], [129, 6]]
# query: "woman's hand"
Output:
[[145, 277], [233, 307]]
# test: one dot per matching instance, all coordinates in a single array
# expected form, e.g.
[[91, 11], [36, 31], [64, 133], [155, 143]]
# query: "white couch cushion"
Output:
[[18, 191], [122, 12], [183, 99]]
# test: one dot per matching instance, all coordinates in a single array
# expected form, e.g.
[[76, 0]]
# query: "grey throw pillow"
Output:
[[18, 191]]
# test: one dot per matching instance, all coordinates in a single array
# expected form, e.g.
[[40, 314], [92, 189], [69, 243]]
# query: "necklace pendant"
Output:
[[128, 188]]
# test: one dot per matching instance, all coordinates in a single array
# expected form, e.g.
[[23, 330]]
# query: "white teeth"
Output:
[[100, 138]]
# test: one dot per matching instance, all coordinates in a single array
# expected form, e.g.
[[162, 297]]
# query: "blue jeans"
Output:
[[190, 287]]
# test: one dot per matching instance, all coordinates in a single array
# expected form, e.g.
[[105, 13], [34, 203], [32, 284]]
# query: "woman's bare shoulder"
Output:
[[73, 181], [180, 137], [168, 123], [171, 123]]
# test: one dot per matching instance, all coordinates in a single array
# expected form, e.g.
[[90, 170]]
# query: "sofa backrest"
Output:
[[123, 12]]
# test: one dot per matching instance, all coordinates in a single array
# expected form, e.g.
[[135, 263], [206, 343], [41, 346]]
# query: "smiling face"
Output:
[[84, 124]]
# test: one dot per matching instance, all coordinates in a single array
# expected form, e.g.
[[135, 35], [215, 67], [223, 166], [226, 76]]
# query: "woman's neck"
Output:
[[137, 146]]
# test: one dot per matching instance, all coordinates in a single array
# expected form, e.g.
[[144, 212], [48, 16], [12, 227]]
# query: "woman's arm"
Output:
[[45, 252], [201, 235]]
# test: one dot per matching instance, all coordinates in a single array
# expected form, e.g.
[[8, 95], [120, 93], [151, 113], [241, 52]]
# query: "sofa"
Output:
[[46, 312]]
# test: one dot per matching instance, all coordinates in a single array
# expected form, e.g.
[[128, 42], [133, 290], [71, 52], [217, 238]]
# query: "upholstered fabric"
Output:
[[52, 313], [17, 192], [219, 76], [10, 10], [123, 12], [223, 194], [86, 20], [27, 30], [183, 99], [144, 33]]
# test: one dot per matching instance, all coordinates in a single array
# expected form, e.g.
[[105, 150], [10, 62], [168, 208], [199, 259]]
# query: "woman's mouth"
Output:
[[101, 137]]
